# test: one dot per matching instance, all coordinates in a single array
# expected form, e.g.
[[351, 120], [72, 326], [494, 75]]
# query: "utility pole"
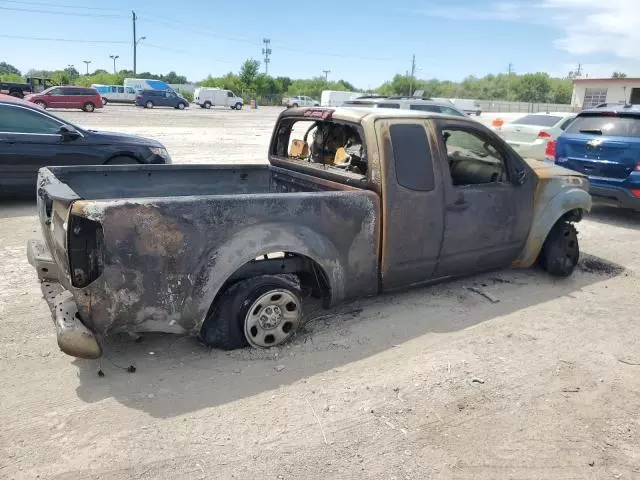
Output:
[[579, 71], [413, 73], [87, 62], [509, 72], [266, 51], [114, 57], [135, 42], [326, 75]]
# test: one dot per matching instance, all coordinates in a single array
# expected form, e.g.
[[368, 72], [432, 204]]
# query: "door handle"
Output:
[[458, 207]]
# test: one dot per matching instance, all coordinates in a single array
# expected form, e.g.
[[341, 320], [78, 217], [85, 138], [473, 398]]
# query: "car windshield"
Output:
[[606, 124], [538, 120]]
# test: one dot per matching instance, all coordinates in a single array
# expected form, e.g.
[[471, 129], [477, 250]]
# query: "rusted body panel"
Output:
[[166, 258]]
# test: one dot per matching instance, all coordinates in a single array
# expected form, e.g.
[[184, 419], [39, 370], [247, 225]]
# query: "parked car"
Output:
[[31, 138], [299, 101], [336, 98], [352, 203], [470, 107], [115, 93], [158, 98], [605, 145], [534, 135], [407, 103], [216, 97], [83, 98], [19, 90]]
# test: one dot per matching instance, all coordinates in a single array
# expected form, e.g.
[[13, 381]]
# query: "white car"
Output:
[[216, 97], [300, 101], [533, 134]]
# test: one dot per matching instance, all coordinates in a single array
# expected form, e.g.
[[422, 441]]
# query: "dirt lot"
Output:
[[434, 383]]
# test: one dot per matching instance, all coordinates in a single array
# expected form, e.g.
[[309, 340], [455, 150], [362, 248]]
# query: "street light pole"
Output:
[[114, 57], [135, 52], [87, 62]]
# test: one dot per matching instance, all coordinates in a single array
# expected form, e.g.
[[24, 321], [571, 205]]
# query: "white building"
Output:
[[589, 92]]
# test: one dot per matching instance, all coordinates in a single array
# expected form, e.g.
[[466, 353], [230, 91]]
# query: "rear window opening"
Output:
[[606, 124], [324, 142], [538, 120]]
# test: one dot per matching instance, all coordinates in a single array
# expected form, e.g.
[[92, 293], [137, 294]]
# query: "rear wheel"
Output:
[[88, 107], [149, 104], [263, 312], [560, 252], [16, 93], [295, 105], [104, 101], [40, 103]]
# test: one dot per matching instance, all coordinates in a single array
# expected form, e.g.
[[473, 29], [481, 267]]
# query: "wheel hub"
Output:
[[270, 316]]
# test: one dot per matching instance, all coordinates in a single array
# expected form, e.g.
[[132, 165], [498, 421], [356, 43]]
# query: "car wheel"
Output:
[[149, 104], [238, 106], [16, 94], [122, 160], [180, 106], [207, 105], [40, 103], [560, 252], [478, 112], [104, 101], [263, 312], [88, 107], [295, 105]]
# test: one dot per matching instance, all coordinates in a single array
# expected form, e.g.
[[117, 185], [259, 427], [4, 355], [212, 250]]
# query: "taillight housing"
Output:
[[544, 134], [550, 151]]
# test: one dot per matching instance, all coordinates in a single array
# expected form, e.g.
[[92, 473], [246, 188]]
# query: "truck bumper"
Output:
[[74, 338]]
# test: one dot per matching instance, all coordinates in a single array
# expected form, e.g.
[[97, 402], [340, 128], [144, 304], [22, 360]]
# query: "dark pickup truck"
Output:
[[353, 202], [20, 90]]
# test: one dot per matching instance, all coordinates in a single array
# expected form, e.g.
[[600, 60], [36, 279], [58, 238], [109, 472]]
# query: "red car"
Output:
[[84, 98]]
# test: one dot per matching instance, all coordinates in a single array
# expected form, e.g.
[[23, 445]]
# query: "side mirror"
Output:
[[68, 133]]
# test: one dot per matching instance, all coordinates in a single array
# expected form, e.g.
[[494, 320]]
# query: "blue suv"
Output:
[[160, 98], [604, 144]]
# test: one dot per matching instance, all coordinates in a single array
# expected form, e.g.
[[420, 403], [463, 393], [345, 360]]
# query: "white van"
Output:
[[470, 107], [147, 84], [115, 93], [216, 97], [335, 98]]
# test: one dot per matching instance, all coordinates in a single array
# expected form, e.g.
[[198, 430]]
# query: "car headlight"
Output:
[[160, 152]]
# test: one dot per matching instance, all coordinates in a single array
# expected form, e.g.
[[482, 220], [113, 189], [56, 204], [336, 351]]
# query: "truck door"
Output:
[[413, 196], [488, 199]]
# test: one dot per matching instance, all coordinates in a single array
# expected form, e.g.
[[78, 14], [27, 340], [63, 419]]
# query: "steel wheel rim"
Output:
[[272, 318], [181, 106]]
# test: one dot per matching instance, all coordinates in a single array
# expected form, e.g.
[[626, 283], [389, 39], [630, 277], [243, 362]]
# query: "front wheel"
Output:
[[295, 105], [40, 103], [207, 105], [238, 106], [560, 252], [263, 312], [149, 104], [181, 106]]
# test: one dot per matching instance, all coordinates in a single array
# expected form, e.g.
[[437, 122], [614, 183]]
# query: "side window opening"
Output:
[[322, 142], [472, 158], [412, 157]]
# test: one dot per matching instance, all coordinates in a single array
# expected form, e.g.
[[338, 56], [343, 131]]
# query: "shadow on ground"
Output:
[[176, 375], [21, 207], [614, 216]]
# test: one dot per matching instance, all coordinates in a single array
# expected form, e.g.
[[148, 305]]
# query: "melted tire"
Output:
[[561, 251]]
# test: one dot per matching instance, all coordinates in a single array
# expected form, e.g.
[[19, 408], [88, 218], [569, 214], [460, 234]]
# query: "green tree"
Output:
[[618, 75], [533, 87], [249, 72], [7, 69]]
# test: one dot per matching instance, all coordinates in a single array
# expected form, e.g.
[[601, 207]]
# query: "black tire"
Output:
[[207, 105], [561, 251], [478, 112], [295, 105], [104, 101], [149, 104], [41, 103], [122, 160], [88, 107], [224, 326], [16, 94], [181, 106], [238, 106]]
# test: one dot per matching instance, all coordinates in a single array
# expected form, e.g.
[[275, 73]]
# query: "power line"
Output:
[[49, 39], [53, 12], [60, 5]]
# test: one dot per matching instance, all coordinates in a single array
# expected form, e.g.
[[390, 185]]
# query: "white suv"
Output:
[[300, 101]]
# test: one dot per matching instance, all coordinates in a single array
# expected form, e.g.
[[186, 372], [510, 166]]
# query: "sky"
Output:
[[363, 41]]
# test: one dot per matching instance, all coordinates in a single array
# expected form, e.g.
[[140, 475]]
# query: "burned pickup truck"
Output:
[[353, 202]]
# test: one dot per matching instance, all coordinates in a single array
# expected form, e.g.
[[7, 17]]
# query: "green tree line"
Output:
[[249, 82]]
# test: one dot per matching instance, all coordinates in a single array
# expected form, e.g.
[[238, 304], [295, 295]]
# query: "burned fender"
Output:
[[220, 263], [547, 213]]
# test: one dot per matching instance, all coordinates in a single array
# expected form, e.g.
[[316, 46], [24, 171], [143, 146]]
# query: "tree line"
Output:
[[250, 82]]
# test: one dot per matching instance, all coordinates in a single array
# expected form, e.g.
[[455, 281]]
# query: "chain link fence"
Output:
[[523, 107]]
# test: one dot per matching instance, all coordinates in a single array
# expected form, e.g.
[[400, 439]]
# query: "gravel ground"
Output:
[[434, 383]]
